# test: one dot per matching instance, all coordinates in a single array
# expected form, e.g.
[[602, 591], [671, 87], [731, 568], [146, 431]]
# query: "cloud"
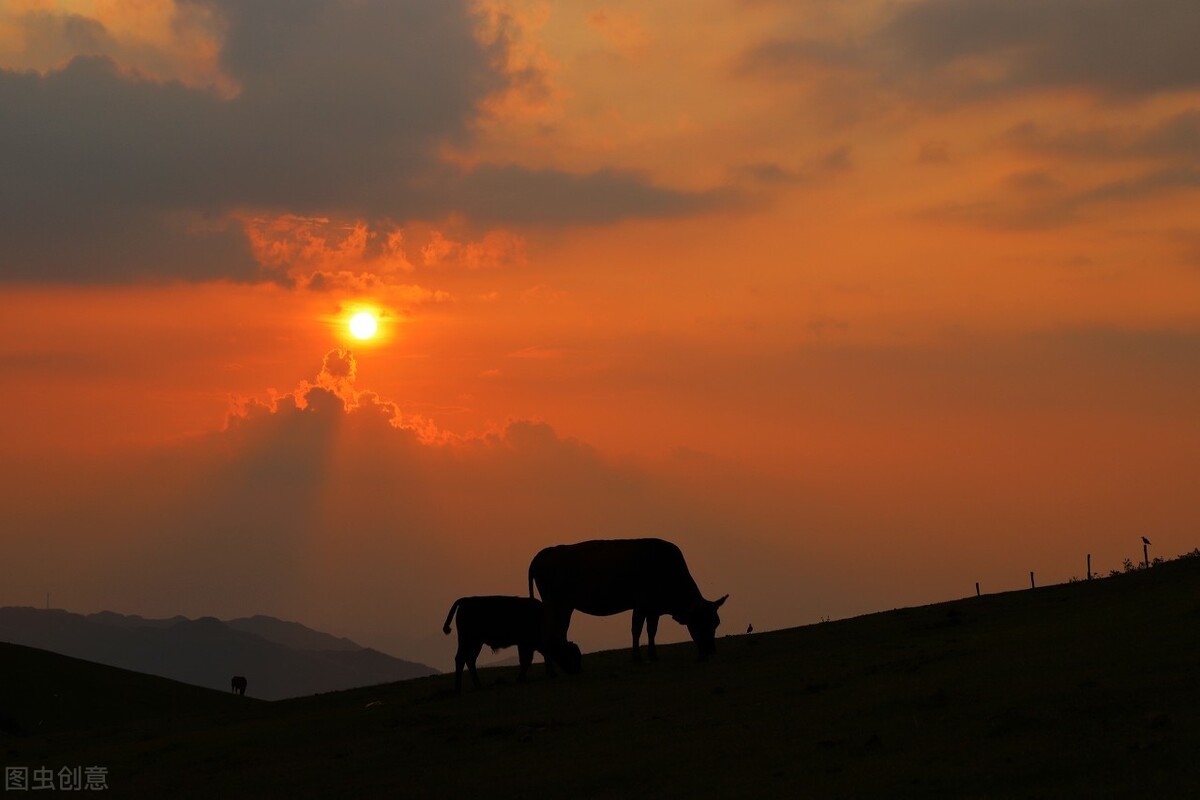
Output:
[[829, 164], [514, 195], [784, 58], [49, 39], [975, 49], [496, 249], [980, 47], [1034, 200], [339, 109], [1138, 161], [1174, 139], [163, 39]]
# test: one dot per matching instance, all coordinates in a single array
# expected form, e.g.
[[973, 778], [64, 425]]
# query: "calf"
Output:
[[502, 622], [239, 684]]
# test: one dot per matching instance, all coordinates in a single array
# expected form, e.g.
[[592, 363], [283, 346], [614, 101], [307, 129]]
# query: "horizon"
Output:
[[338, 312]]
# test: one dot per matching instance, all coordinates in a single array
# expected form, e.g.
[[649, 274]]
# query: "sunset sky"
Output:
[[858, 302]]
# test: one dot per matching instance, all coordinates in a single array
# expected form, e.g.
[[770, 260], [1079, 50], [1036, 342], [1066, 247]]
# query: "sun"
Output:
[[363, 325]]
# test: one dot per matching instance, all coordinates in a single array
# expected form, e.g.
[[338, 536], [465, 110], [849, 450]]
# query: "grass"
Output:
[[1082, 688]]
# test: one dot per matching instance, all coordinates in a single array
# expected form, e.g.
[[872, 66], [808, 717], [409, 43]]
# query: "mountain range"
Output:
[[279, 659]]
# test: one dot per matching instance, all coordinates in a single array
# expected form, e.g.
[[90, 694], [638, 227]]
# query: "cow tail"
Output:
[[450, 616], [531, 579]]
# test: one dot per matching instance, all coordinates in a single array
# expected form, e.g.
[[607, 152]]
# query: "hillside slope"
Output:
[[43, 692], [1085, 688]]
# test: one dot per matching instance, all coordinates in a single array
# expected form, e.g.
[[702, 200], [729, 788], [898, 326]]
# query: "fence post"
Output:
[[1031, 583], [1089, 566], [977, 588]]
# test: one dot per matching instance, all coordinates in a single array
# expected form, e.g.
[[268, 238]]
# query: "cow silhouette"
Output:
[[607, 576], [501, 622], [239, 685]]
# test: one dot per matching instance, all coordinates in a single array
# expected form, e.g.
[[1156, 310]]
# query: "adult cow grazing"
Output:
[[239, 685], [607, 576], [502, 622]]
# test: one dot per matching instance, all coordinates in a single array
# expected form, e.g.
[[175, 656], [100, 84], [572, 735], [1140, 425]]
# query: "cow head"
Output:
[[568, 656], [702, 624]]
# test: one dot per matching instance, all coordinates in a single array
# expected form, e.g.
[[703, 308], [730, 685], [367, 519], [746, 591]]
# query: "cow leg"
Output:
[[459, 663], [554, 632], [651, 632], [471, 666], [525, 654], [549, 637], [639, 619], [467, 653]]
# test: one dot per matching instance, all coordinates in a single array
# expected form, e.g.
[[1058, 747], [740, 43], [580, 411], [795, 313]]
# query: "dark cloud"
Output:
[[342, 108], [1175, 138], [518, 196], [1034, 200], [1161, 158], [954, 50], [1136, 188], [1111, 46]]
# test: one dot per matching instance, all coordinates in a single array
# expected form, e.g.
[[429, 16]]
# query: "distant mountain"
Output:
[[291, 634], [133, 620], [279, 659]]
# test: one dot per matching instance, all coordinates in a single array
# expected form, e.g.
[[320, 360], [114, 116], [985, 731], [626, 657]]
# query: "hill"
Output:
[[1086, 688], [46, 692], [280, 659]]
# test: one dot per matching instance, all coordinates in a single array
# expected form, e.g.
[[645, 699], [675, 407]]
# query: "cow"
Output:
[[239, 685], [607, 576], [502, 622]]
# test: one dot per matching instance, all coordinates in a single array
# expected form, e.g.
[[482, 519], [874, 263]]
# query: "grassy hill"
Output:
[[1084, 688]]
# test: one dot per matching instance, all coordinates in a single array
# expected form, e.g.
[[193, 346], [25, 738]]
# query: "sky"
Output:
[[858, 302]]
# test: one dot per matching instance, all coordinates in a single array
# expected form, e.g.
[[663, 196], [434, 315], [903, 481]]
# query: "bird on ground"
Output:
[[749, 629]]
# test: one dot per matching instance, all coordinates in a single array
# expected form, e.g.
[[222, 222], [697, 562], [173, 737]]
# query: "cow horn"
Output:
[[721, 602]]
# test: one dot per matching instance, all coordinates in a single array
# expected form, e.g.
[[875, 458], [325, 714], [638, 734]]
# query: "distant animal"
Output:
[[1145, 540], [239, 685], [750, 629], [607, 576], [501, 622]]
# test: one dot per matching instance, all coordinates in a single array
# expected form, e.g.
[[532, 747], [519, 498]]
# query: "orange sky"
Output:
[[857, 302]]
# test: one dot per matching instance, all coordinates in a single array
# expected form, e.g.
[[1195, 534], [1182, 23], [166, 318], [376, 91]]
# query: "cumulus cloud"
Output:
[[496, 249], [338, 109]]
